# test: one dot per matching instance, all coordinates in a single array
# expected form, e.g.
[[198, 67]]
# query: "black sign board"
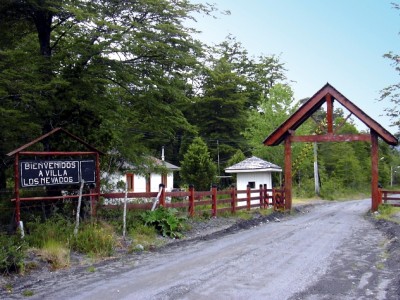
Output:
[[56, 172]]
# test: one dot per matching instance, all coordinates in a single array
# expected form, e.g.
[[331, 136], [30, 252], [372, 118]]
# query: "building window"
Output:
[[129, 181], [252, 184]]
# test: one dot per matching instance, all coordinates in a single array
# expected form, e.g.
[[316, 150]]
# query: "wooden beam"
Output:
[[288, 174], [374, 171], [329, 112], [332, 138]]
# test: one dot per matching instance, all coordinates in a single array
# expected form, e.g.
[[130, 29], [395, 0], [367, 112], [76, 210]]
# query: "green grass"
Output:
[[56, 254], [95, 239], [145, 236], [91, 269], [389, 212], [28, 293]]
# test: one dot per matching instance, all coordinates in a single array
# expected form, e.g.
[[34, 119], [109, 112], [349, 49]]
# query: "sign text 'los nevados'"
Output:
[[52, 172]]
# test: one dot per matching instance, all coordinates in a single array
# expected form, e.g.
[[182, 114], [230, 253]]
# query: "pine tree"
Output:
[[197, 167]]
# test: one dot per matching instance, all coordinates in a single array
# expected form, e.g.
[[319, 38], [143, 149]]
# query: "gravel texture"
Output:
[[12, 286]]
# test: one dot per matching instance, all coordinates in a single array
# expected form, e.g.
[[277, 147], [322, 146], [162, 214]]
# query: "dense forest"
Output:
[[129, 77]]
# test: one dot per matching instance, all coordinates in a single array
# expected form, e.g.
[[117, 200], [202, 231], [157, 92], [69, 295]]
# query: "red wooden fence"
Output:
[[390, 197], [213, 201]]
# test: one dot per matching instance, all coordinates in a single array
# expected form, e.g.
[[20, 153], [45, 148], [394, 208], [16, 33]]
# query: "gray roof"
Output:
[[253, 164], [168, 165], [157, 162]]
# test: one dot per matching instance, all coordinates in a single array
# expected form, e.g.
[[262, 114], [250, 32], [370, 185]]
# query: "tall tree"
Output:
[[220, 113], [197, 166], [112, 72], [274, 108]]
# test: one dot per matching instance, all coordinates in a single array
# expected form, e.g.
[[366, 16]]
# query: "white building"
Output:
[[253, 171], [140, 183]]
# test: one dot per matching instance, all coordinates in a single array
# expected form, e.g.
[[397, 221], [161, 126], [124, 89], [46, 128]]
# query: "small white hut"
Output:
[[146, 183], [253, 171]]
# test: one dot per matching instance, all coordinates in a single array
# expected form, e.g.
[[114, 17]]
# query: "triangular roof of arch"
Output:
[[52, 132], [313, 104]]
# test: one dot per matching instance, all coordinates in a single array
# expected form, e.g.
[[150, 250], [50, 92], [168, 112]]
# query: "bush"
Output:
[[55, 229], [145, 236], [12, 254], [115, 218], [94, 239], [56, 254], [166, 221]]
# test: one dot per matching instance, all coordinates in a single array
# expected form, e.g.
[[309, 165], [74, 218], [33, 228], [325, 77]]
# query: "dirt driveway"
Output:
[[332, 251]]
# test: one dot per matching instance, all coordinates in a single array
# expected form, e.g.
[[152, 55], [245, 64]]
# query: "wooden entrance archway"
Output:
[[285, 133]]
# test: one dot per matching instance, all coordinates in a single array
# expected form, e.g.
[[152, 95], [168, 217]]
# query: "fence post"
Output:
[[266, 199], [273, 199], [191, 200], [261, 196], [214, 200], [162, 196], [233, 199], [248, 197]]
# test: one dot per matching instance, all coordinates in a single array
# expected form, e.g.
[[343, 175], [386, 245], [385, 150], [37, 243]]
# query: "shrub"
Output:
[[55, 229], [94, 239], [56, 254], [166, 221], [12, 254], [143, 235]]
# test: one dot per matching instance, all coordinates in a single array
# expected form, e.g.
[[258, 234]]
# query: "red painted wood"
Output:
[[214, 201], [248, 196], [16, 190], [234, 200], [288, 174], [313, 104], [191, 201], [332, 138], [74, 153], [374, 170], [329, 112]]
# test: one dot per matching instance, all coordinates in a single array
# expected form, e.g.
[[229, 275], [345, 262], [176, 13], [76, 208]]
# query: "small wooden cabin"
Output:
[[253, 171]]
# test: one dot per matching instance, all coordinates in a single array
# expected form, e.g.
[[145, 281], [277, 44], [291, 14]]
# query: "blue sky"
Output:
[[337, 41]]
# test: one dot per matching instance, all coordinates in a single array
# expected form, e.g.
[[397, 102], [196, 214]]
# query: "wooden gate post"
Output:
[[374, 171], [288, 174], [16, 190], [261, 196]]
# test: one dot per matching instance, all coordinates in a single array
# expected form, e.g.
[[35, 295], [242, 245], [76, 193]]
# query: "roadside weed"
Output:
[[91, 269], [388, 212], [56, 254], [97, 239], [27, 293]]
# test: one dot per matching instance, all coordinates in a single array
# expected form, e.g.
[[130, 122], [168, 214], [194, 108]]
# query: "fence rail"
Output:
[[390, 197], [199, 202], [211, 202]]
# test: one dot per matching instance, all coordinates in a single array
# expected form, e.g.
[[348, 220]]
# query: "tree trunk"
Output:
[[43, 20]]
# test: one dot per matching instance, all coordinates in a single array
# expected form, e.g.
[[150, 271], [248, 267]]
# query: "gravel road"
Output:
[[329, 252]]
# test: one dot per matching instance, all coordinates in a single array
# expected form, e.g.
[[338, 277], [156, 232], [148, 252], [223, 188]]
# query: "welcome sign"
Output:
[[56, 172]]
